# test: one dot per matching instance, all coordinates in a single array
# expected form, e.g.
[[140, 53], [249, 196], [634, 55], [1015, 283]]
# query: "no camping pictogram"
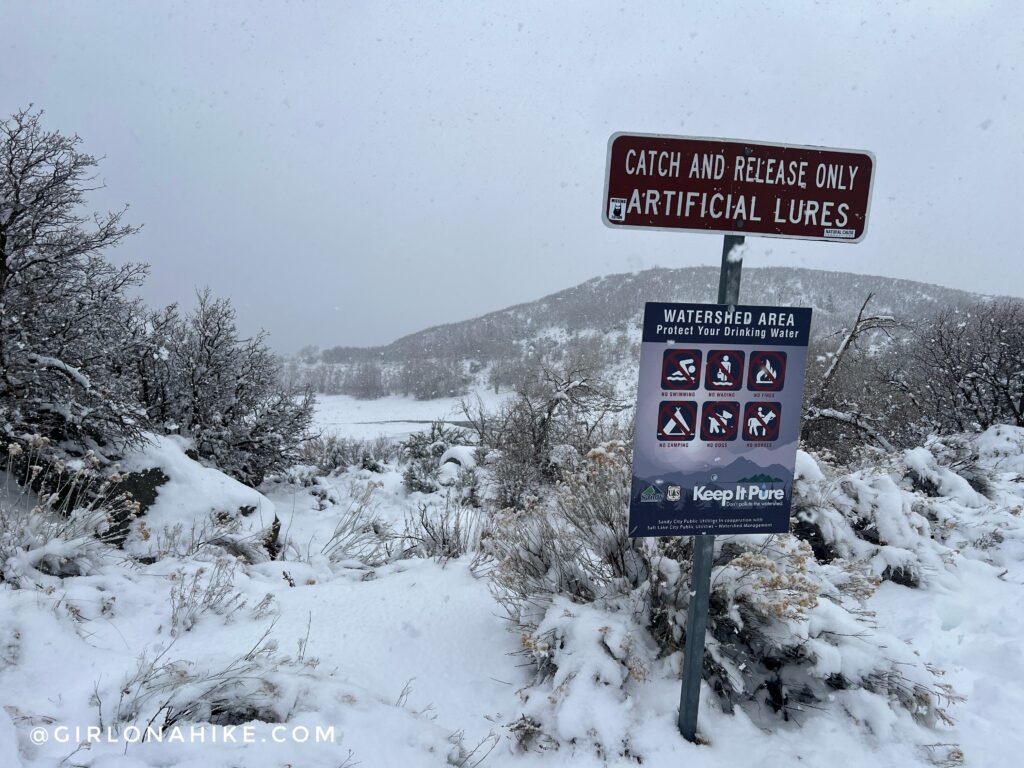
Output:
[[680, 369], [724, 372], [677, 420], [761, 421], [720, 420], [767, 372]]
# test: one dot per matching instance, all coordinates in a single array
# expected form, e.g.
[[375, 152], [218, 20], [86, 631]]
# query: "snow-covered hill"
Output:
[[614, 303]]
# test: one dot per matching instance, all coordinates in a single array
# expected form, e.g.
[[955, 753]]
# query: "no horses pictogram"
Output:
[[761, 421], [677, 420], [767, 372], [720, 420], [724, 371]]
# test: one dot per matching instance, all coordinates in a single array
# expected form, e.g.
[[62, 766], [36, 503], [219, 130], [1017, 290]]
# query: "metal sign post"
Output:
[[704, 546]]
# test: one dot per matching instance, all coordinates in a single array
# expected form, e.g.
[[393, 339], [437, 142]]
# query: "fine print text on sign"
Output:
[[718, 418], [737, 187]]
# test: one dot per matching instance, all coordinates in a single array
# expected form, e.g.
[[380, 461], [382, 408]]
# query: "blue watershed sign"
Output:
[[717, 419]]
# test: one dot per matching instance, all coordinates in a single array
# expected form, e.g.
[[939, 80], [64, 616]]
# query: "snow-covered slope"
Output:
[[614, 303]]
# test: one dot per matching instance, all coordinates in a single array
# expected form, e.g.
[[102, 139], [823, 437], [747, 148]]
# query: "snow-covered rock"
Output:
[[192, 495]]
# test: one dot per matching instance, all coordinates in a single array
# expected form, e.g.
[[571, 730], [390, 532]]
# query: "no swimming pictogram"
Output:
[[677, 420], [680, 369], [724, 371], [761, 421], [767, 371], [720, 420]]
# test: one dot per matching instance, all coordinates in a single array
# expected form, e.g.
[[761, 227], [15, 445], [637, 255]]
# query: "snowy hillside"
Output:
[[613, 304], [339, 599]]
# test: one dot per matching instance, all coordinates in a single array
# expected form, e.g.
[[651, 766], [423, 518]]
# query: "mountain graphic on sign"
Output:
[[720, 477], [761, 478]]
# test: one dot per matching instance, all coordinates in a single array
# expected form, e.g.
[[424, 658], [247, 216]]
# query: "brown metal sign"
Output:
[[737, 187]]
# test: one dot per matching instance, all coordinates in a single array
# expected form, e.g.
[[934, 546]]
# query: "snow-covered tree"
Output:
[[846, 407], [966, 368], [66, 324], [200, 378]]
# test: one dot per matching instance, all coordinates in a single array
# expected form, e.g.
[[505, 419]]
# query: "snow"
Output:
[[806, 468], [192, 494], [948, 483], [416, 623], [463, 455], [413, 663], [970, 625], [73, 373], [393, 416]]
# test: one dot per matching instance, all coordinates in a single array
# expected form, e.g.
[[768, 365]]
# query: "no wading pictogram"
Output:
[[720, 420], [680, 369], [767, 371], [761, 421], [677, 420], [724, 372]]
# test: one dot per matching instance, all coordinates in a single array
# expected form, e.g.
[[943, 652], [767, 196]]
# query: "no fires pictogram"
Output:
[[767, 371], [680, 369], [720, 420], [761, 421], [677, 420], [724, 372]]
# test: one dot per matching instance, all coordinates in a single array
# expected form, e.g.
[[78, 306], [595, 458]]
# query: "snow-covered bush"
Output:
[[905, 514], [793, 636], [442, 534], [65, 528], [204, 589], [225, 392], [599, 612], [865, 516], [359, 536], [333, 454], [580, 549], [557, 415], [163, 691], [422, 452]]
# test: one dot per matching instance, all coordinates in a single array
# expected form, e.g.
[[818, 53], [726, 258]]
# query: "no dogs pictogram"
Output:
[[680, 369], [720, 420], [677, 420], [761, 421], [724, 372], [767, 372]]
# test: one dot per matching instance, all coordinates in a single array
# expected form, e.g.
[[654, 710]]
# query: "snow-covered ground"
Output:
[[392, 416], [411, 662]]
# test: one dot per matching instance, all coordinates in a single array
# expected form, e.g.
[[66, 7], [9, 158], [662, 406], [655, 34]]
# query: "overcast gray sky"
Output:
[[351, 172]]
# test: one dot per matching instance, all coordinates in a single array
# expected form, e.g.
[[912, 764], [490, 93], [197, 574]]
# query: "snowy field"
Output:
[[412, 662], [392, 416]]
